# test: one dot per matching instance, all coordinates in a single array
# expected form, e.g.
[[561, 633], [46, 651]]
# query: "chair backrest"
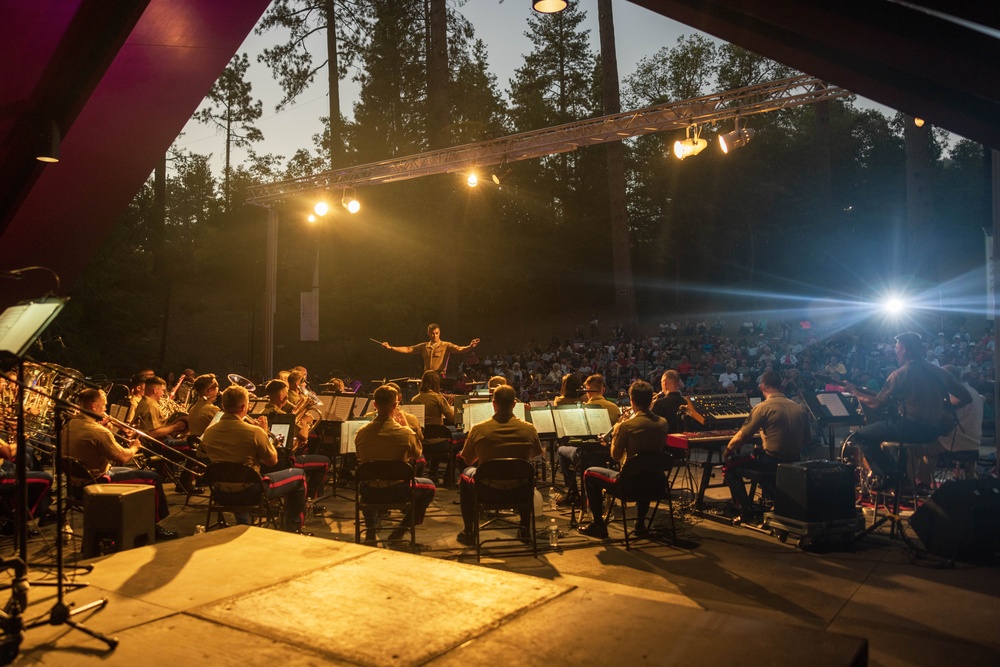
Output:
[[230, 476], [78, 473], [505, 480], [389, 482], [436, 432], [645, 476]]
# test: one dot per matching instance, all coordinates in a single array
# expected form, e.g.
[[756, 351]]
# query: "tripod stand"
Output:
[[20, 326], [893, 517]]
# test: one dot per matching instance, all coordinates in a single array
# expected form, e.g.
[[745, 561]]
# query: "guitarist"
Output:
[[922, 391]]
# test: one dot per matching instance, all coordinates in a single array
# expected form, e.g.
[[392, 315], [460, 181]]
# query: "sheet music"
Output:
[[538, 404], [361, 407], [598, 420], [541, 417], [571, 422], [477, 412], [833, 403], [257, 406], [417, 410], [282, 433], [348, 432], [339, 409]]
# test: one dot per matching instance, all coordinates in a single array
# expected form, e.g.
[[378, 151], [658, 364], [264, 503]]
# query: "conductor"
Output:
[[434, 352]]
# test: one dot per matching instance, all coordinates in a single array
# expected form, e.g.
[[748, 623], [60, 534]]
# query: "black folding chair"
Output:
[[504, 484], [384, 486]]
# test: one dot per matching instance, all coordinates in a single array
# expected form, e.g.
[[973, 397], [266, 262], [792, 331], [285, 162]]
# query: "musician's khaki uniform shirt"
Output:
[[385, 440], [232, 439], [91, 443], [644, 432], [436, 407], [509, 439], [200, 416], [784, 427], [148, 415]]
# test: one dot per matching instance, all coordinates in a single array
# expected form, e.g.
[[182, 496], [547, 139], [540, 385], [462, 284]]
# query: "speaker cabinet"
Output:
[[117, 517], [961, 519], [814, 491]]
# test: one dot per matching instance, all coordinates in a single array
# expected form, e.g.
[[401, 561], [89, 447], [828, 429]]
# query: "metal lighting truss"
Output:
[[741, 102]]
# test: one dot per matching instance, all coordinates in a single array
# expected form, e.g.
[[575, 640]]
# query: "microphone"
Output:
[[12, 275], [61, 343], [38, 342]]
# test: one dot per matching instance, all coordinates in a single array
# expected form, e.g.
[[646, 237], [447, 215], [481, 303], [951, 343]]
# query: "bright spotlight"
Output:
[[311, 218], [473, 180], [321, 208], [352, 205], [894, 305]]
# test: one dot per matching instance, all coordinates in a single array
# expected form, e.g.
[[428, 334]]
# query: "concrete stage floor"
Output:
[[722, 595]]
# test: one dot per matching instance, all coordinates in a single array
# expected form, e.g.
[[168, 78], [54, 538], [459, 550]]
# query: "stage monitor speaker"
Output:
[[117, 517], [961, 519], [814, 491]]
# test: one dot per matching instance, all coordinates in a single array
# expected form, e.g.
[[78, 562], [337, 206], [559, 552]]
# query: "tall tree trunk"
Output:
[[336, 143], [622, 253], [161, 272], [438, 107]]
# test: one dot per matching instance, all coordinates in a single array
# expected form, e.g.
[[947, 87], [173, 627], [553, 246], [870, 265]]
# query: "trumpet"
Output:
[[198, 467]]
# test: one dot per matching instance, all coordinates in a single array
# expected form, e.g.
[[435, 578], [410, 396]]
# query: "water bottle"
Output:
[[553, 534], [199, 529], [552, 501]]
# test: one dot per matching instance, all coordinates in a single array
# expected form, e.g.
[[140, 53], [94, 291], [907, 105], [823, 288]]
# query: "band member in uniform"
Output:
[[295, 382], [785, 431], [150, 419], [568, 455], [437, 411], [434, 352], [90, 442], [233, 439], [503, 436], [315, 466], [386, 440], [203, 410], [668, 404], [644, 432], [922, 391]]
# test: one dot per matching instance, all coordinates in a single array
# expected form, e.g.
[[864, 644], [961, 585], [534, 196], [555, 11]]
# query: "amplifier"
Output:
[[813, 491], [117, 517]]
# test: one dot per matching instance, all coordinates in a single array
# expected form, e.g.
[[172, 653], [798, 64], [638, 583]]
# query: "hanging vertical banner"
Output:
[[309, 307], [990, 279]]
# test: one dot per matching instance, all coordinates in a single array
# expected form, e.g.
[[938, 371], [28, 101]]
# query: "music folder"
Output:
[[580, 422], [338, 407], [541, 417], [348, 432], [21, 325]]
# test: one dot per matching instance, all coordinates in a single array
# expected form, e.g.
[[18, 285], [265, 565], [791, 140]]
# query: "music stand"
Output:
[[20, 326]]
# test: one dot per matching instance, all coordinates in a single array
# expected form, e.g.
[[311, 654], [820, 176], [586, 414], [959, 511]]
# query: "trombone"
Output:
[[199, 466]]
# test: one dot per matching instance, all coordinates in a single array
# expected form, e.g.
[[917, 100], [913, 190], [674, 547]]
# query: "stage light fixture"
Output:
[[692, 144], [549, 6], [47, 140], [894, 305], [472, 180], [311, 218], [738, 138], [350, 201], [321, 208], [919, 122]]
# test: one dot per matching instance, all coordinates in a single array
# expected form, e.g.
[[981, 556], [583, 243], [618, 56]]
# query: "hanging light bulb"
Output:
[[738, 138], [311, 218], [549, 6], [692, 144], [472, 180], [350, 201], [321, 208]]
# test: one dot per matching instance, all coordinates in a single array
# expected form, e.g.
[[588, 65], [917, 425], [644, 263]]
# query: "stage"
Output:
[[254, 596]]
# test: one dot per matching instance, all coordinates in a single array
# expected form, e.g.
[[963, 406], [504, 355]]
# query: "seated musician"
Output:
[[315, 466], [295, 381], [39, 485], [384, 439], [150, 419], [437, 411], [569, 455], [87, 440], [922, 391], [503, 436], [644, 432], [203, 410], [137, 386], [785, 431], [233, 439], [668, 403]]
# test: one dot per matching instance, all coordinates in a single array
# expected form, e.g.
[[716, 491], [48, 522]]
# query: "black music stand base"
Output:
[[62, 614]]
